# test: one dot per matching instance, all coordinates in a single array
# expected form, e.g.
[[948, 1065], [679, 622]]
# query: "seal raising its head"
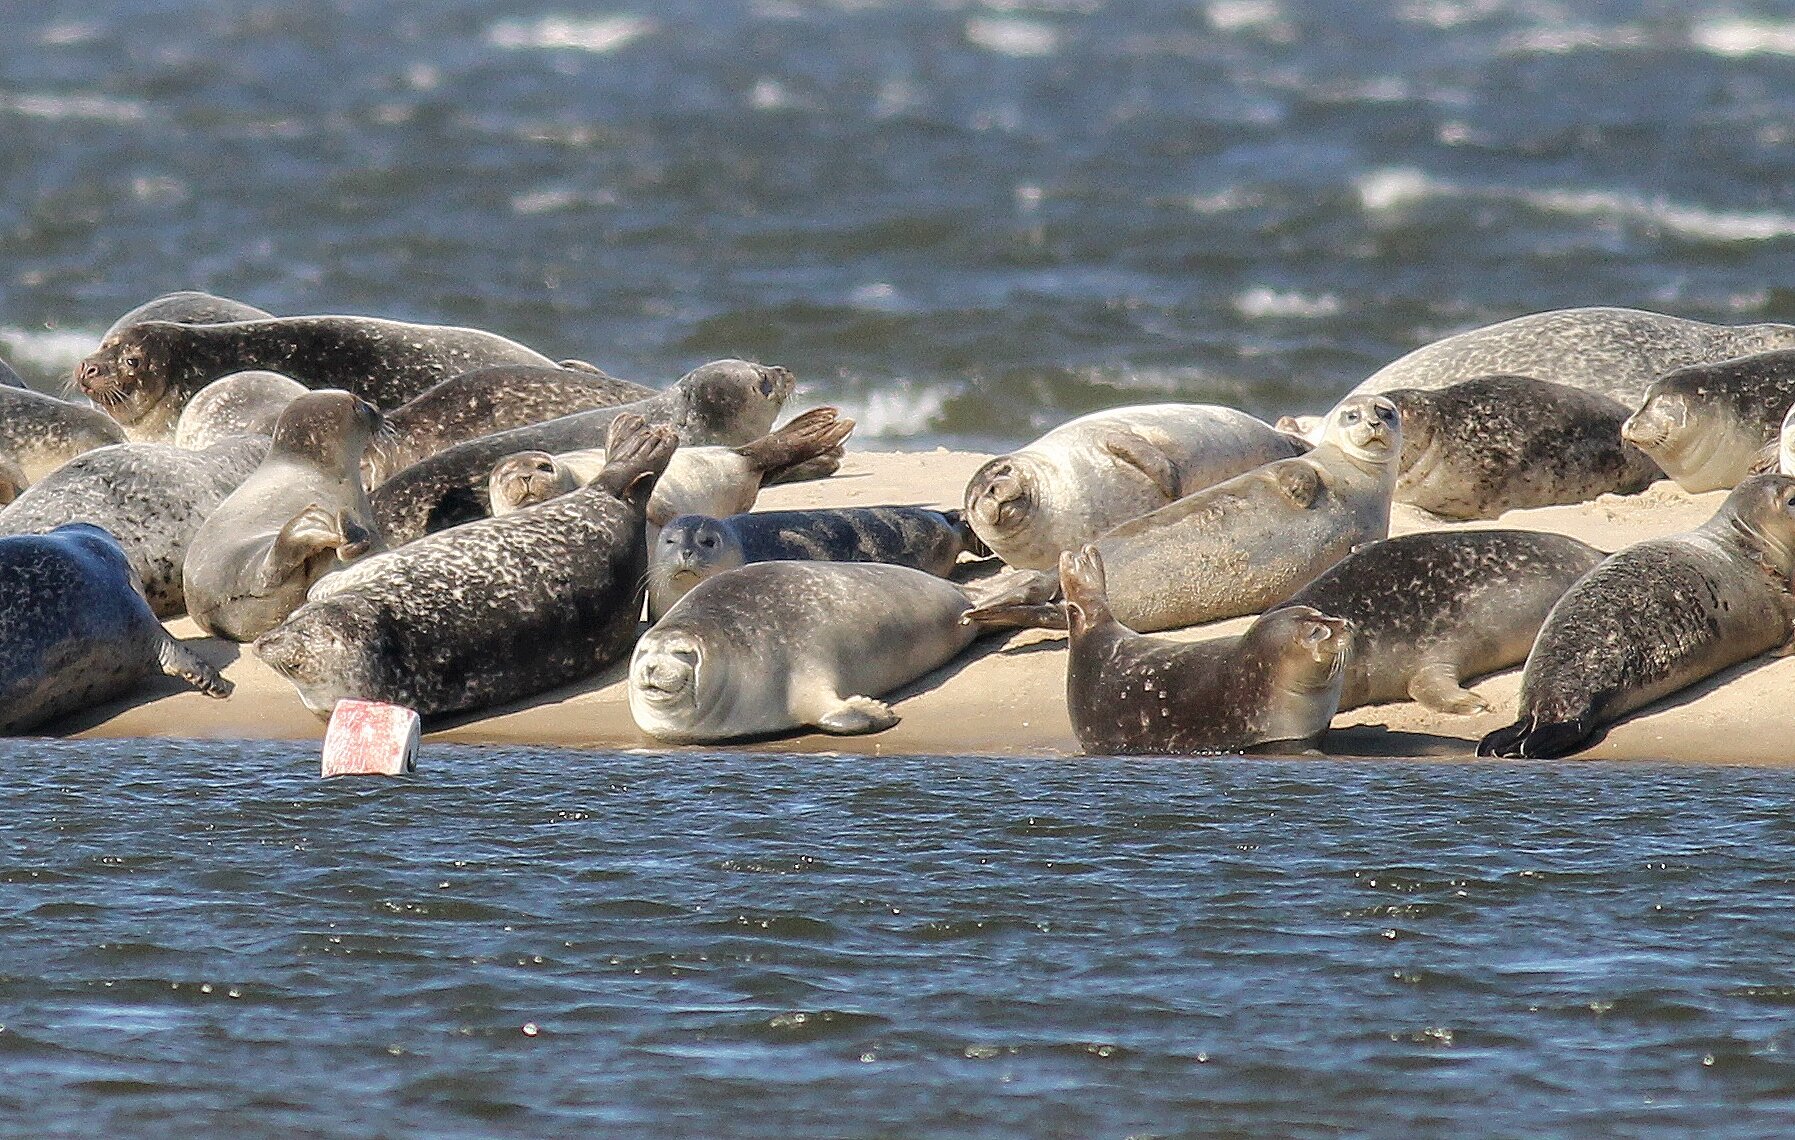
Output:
[[1707, 425]]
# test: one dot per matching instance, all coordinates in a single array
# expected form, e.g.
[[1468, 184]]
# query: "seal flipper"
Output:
[[809, 447], [1143, 456], [856, 716], [177, 660], [1298, 481], [1436, 685], [1532, 739], [1017, 599], [305, 535]]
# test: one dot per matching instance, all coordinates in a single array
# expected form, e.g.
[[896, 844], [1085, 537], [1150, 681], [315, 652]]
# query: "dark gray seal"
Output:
[[1657, 617], [41, 433], [1617, 353], [1432, 610], [724, 402], [243, 403], [486, 613], [1478, 448], [152, 497], [75, 629], [189, 307], [143, 375], [1708, 426]]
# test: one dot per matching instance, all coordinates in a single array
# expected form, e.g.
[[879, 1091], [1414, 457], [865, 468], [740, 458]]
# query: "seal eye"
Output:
[[708, 542], [766, 385], [132, 360], [1351, 416]]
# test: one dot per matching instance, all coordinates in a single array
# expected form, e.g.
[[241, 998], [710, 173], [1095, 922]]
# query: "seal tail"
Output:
[[179, 661], [970, 542], [809, 447], [1018, 599], [636, 455], [1531, 738]]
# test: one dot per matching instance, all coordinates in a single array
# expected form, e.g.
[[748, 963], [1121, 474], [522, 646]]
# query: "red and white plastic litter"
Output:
[[367, 738]]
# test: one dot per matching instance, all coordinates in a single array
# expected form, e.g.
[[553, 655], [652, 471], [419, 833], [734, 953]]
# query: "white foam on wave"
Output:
[[1562, 39], [1741, 37], [69, 34], [1246, 15], [48, 350], [1261, 302], [895, 412], [101, 108], [1020, 38], [1393, 187], [599, 35]]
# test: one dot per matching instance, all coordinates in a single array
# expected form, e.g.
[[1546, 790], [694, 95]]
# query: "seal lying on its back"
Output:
[[301, 514], [74, 628], [489, 612], [1708, 425], [723, 402], [1614, 352], [189, 307], [152, 497], [1100, 470], [143, 375], [41, 433], [1476, 449], [1657, 617], [243, 403], [1431, 610]]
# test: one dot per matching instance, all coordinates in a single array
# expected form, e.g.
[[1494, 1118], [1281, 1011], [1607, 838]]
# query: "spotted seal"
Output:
[[299, 515], [76, 630], [1656, 617], [189, 307], [1100, 470], [143, 375], [152, 497], [725, 402], [1707, 425], [243, 403], [41, 433], [489, 612]]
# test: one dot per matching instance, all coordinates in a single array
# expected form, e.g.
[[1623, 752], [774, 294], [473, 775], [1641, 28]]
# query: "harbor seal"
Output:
[[151, 497], [189, 307], [12, 479], [243, 403], [1479, 448], [298, 516], [693, 547], [725, 402], [1100, 470], [1707, 425], [486, 613], [1615, 352], [1656, 617], [41, 433], [1432, 610], [1129, 694], [490, 400], [144, 374], [76, 630]]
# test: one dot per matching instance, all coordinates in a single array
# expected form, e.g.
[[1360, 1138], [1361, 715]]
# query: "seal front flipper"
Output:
[[1297, 481], [1437, 687], [177, 660], [856, 716], [1144, 456], [305, 535]]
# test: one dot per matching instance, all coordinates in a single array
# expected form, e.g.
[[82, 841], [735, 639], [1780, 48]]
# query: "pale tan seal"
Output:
[[40, 433], [243, 403]]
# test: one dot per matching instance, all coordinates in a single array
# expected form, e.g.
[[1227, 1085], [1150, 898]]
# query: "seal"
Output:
[[1433, 609], [77, 630], [1656, 617], [1707, 425], [725, 402], [189, 307], [12, 479], [486, 613], [1129, 693], [1478, 448], [694, 547], [243, 403], [298, 516], [1617, 353], [1100, 470], [490, 400], [776, 646], [151, 497], [41, 433], [1252, 541], [144, 374]]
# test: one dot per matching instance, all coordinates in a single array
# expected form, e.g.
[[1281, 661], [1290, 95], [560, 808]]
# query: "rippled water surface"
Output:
[[210, 940]]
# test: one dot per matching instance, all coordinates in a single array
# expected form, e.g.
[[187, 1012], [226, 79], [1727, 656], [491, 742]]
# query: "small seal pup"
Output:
[[1478, 448], [243, 403], [725, 402], [1656, 617], [1433, 609], [75, 629], [151, 497], [41, 432], [1707, 425], [489, 612], [1615, 352], [189, 307], [694, 547], [1100, 470], [776, 646], [301, 514], [144, 374]]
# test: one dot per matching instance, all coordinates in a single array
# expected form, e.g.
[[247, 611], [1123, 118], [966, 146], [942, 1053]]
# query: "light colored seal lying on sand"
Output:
[[243, 403], [1707, 426], [40, 433], [1615, 352], [776, 646], [489, 612], [301, 514], [1100, 470], [1479, 448], [1432, 610], [152, 497], [1657, 617], [75, 630]]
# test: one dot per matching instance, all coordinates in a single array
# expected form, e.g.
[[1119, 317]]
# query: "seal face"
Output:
[[1708, 425], [1656, 617], [1098, 471], [1430, 610], [243, 403], [76, 628], [302, 513], [487, 613], [1479, 448]]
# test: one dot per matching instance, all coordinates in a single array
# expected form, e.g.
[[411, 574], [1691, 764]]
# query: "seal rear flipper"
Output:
[[1768, 459], [1014, 588], [855, 716], [1144, 456], [1533, 739], [1437, 687], [823, 466], [177, 660], [811, 441], [1047, 615], [636, 455]]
